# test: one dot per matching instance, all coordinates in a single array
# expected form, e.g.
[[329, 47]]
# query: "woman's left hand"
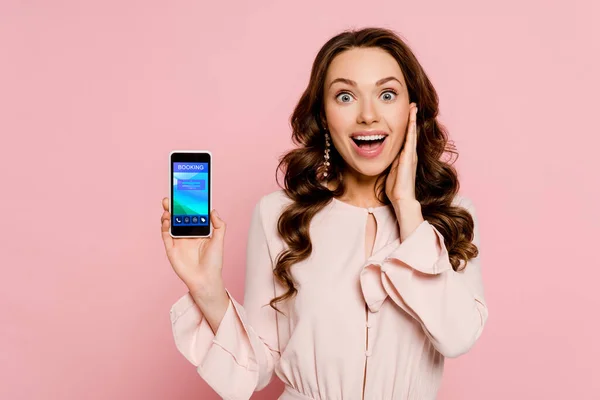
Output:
[[400, 182]]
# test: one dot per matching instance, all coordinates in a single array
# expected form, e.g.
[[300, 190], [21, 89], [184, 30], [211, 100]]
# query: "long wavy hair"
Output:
[[436, 180]]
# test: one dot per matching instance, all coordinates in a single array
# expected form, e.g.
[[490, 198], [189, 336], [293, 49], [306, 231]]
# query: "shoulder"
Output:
[[265, 216], [277, 198], [270, 206], [273, 202]]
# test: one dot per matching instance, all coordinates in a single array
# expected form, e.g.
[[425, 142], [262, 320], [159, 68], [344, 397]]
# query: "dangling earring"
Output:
[[326, 162]]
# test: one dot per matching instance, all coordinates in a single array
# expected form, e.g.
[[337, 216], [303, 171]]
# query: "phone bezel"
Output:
[[190, 156]]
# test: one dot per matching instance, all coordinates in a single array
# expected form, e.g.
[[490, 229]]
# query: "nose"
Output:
[[367, 113]]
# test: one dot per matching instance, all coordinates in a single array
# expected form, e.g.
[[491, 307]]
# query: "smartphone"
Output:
[[190, 181]]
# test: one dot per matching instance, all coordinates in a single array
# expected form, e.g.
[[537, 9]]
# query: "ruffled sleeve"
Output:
[[417, 275], [241, 356]]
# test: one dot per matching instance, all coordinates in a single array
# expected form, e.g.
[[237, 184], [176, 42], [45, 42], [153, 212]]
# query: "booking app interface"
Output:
[[190, 194]]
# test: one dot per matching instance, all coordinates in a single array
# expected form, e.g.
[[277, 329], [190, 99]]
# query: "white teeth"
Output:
[[371, 137]]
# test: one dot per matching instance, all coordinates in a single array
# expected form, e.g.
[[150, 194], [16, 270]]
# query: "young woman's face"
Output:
[[365, 95]]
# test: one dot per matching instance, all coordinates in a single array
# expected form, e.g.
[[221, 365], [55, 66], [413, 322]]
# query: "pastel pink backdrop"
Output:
[[94, 95]]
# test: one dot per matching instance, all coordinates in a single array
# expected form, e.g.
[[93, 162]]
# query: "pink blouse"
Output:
[[385, 323]]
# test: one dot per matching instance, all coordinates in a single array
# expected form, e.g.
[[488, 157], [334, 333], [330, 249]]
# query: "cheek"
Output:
[[397, 118], [398, 126], [339, 116], [338, 141]]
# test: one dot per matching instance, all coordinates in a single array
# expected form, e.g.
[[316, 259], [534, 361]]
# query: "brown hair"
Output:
[[436, 180]]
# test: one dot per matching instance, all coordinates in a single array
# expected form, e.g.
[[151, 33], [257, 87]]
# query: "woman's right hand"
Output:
[[197, 261]]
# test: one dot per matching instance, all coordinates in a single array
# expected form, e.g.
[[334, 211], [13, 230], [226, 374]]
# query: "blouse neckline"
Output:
[[363, 209]]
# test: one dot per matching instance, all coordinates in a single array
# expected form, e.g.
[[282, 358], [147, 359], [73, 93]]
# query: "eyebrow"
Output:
[[378, 83]]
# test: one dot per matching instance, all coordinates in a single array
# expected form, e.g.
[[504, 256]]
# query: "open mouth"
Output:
[[369, 144]]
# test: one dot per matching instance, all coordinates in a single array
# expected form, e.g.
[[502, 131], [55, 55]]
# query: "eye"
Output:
[[390, 91], [343, 95]]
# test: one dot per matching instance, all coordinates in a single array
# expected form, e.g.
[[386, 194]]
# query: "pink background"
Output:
[[94, 95]]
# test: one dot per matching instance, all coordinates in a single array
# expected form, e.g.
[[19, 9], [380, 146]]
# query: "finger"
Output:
[[165, 215], [166, 236], [408, 126], [415, 131], [218, 225], [165, 203], [412, 133]]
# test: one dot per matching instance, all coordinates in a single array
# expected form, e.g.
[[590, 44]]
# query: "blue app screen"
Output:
[[190, 194]]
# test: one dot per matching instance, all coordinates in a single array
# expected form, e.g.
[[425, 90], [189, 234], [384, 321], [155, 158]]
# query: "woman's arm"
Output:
[[240, 357], [418, 277]]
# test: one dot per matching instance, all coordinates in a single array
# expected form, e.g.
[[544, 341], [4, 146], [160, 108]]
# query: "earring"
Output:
[[326, 162]]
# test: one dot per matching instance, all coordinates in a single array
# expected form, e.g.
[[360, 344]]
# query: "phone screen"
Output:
[[190, 194]]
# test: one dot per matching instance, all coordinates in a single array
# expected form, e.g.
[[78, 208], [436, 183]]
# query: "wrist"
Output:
[[215, 301], [406, 205], [210, 291]]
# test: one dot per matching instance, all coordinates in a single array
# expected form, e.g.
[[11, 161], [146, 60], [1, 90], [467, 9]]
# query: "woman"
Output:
[[363, 273]]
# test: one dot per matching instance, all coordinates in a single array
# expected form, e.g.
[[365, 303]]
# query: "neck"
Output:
[[360, 190]]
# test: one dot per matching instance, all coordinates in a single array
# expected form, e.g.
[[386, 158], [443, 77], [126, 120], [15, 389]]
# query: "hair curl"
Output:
[[436, 180]]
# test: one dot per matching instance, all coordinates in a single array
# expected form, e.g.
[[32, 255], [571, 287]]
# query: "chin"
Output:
[[370, 170]]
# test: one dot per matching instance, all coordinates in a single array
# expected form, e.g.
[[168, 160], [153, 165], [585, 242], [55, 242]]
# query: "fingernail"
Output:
[[216, 213]]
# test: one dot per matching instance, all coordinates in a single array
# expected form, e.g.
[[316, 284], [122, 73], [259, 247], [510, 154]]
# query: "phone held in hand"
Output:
[[190, 182]]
